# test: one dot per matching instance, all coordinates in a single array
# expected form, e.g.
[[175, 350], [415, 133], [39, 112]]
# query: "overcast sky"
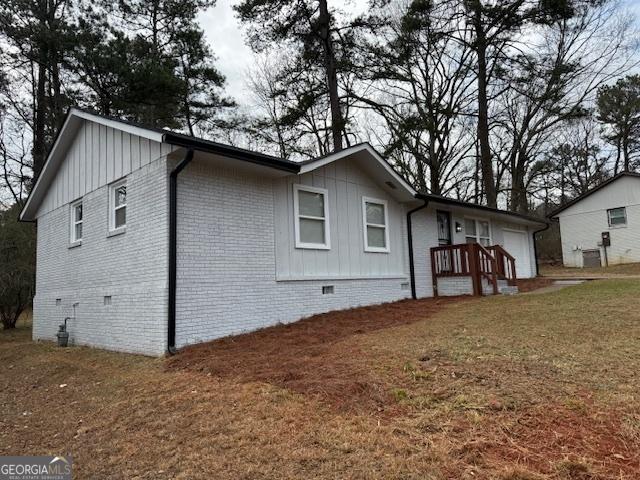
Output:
[[226, 37]]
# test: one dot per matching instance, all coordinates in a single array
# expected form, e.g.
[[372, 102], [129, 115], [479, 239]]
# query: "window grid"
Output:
[[302, 237], [477, 231], [371, 226], [76, 222], [617, 217], [118, 206]]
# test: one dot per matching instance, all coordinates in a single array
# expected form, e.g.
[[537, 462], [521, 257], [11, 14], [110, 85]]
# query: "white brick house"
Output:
[[612, 208], [164, 240]]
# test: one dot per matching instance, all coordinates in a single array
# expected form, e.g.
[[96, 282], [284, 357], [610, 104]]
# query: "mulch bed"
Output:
[[313, 356]]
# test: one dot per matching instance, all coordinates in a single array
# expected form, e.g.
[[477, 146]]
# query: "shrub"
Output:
[[17, 266]]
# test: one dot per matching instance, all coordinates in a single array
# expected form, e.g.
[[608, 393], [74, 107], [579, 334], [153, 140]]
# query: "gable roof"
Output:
[[380, 169], [579, 198], [75, 116]]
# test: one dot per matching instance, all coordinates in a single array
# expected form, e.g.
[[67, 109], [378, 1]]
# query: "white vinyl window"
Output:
[[311, 212], [375, 221], [76, 222], [118, 206], [477, 231], [617, 217]]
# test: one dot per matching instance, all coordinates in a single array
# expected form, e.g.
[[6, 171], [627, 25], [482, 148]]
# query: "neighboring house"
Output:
[[612, 209], [164, 240]]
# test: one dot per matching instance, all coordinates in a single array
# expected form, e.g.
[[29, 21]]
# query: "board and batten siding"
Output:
[[346, 259], [98, 156]]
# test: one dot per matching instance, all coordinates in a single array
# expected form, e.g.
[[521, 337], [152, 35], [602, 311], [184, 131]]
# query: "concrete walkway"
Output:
[[557, 285]]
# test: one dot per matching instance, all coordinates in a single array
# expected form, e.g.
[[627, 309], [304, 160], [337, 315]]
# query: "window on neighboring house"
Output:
[[477, 231], [311, 217], [375, 221], [76, 222], [118, 206], [617, 216]]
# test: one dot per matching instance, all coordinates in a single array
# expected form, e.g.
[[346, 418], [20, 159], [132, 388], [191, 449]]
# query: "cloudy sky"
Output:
[[226, 36], [234, 58]]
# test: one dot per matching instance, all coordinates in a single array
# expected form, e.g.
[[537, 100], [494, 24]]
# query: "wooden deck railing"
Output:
[[475, 261], [506, 264]]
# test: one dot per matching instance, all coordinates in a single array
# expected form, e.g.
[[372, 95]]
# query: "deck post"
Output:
[[434, 277], [474, 269]]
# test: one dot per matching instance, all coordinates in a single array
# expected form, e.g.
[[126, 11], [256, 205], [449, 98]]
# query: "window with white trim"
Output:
[[118, 206], [477, 231], [375, 222], [311, 217], [76, 222], [617, 217]]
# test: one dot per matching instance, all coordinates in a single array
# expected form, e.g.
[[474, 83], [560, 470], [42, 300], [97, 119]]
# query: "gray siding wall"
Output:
[[346, 185], [227, 261], [130, 267], [425, 236]]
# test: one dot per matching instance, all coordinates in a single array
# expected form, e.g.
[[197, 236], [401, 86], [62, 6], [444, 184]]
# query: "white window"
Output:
[[76, 222], [311, 217], [118, 206], [617, 217], [375, 221], [477, 231]]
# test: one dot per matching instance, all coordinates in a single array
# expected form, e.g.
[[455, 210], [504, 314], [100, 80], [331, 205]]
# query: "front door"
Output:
[[444, 227]]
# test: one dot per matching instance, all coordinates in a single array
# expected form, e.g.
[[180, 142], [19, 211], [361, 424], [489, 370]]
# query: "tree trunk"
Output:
[[434, 171], [625, 149], [617, 164], [519, 201], [337, 122], [486, 163], [39, 120]]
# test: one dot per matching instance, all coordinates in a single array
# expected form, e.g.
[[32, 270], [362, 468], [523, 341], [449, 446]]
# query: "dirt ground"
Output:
[[529, 284], [510, 388]]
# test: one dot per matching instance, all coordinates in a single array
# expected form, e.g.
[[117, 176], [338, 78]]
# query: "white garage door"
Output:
[[517, 244]]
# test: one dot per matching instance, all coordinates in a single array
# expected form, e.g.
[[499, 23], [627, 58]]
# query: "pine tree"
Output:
[[308, 29], [619, 110], [39, 36]]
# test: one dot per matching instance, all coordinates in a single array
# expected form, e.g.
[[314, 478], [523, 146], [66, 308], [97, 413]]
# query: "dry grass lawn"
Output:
[[512, 388]]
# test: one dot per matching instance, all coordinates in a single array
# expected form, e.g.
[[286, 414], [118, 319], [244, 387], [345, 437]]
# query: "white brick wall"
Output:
[[131, 268], [452, 286], [226, 262]]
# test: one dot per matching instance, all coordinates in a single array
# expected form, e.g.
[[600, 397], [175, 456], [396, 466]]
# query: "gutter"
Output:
[[412, 270], [173, 249], [229, 151], [535, 247]]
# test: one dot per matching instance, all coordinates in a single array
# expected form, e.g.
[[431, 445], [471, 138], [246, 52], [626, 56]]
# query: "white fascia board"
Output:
[[311, 166], [66, 134], [118, 125]]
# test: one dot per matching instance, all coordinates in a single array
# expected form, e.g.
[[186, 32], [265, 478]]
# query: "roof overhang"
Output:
[[76, 116], [473, 208], [61, 144], [365, 157], [554, 215]]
